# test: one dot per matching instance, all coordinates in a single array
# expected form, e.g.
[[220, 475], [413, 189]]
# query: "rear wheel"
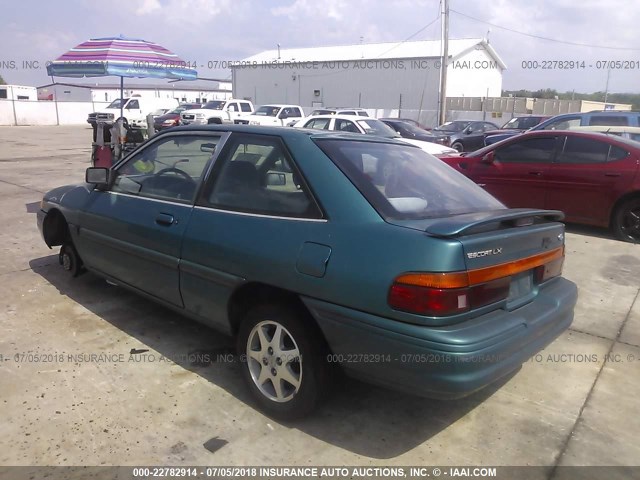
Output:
[[283, 360], [458, 146], [626, 221]]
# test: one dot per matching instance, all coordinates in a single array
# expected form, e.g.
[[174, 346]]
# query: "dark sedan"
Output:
[[172, 118], [465, 135], [319, 251], [592, 177], [408, 130]]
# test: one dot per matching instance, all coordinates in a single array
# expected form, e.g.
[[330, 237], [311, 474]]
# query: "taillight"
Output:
[[549, 270], [450, 293]]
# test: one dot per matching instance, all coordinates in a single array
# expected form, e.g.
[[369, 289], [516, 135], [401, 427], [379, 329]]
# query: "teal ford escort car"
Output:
[[319, 251]]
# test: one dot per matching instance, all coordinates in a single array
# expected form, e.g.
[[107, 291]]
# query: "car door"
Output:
[[132, 231], [587, 177], [516, 174], [250, 222]]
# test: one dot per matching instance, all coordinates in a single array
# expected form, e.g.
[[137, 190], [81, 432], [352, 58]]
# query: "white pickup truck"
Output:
[[217, 112], [275, 114], [135, 109]]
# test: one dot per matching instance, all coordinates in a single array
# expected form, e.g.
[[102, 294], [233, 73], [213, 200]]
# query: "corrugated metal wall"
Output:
[[394, 84]]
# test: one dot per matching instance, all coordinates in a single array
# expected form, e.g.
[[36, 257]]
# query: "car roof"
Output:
[[577, 133], [342, 116], [278, 105], [284, 132]]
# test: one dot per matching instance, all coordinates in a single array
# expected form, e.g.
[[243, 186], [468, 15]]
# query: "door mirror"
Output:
[[99, 176], [489, 158]]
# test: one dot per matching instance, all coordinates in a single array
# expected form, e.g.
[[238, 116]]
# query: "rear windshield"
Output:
[[403, 182]]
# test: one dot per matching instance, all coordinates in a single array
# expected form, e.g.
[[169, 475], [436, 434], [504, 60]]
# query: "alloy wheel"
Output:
[[274, 361]]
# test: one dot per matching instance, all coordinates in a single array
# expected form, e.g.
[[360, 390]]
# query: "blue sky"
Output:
[[210, 30]]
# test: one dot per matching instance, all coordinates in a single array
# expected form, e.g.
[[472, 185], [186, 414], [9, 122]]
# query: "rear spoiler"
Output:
[[492, 220]]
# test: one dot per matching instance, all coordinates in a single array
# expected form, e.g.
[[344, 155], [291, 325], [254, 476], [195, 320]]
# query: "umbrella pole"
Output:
[[121, 96], [120, 122]]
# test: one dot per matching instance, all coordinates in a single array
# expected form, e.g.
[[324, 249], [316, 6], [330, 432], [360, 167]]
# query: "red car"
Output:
[[592, 177]]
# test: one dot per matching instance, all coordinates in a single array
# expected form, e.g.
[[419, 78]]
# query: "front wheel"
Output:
[[458, 146], [70, 260], [283, 360], [626, 221]]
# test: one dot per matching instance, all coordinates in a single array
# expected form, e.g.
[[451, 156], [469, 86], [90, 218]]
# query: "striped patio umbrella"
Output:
[[122, 57]]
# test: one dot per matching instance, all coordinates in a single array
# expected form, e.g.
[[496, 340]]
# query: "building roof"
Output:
[[373, 51], [137, 86]]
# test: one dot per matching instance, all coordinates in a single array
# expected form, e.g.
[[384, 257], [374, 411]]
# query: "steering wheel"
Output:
[[182, 173]]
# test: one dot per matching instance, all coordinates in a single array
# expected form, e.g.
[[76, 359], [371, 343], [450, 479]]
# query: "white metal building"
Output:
[[378, 76], [18, 92], [183, 91]]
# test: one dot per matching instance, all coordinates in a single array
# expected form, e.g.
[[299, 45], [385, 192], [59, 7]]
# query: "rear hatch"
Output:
[[524, 247]]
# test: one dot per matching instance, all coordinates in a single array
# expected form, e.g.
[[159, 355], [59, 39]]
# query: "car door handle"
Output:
[[612, 174], [165, 219], [538, 174]]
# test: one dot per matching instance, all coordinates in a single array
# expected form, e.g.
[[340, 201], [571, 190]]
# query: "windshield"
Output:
[[412, 128], [118, 103], [403, 182], [522, 123], [214, 105], [456, 126], [376, 127], [267, 111], [322, 112]]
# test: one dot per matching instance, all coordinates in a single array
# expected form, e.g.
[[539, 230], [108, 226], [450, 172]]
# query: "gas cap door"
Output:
[[313, 259]]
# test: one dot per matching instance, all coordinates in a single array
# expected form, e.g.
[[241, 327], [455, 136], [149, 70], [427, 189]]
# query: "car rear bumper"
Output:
[[444, 362]]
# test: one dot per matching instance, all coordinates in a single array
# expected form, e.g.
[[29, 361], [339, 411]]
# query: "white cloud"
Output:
[[331, 9], [148, 6], [191, 11]]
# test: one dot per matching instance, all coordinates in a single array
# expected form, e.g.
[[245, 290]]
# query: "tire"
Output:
[[626, 221], [290, 381], [458, 146], [70, 260]]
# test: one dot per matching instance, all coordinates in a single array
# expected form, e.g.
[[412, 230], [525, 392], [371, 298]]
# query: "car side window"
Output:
[[245, 107], [346, 126], [532, 150], [617, 153], [133, 104], [295, 112], [255, 174], [168, 169], [564, 123], [610, 120], [583, 150], [318, 123]]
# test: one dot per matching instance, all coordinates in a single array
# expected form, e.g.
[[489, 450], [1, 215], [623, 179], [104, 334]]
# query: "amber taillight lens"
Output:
[[450, 293]]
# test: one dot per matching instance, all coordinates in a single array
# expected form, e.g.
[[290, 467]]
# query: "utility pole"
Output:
[[606, 88], [443, 63]]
